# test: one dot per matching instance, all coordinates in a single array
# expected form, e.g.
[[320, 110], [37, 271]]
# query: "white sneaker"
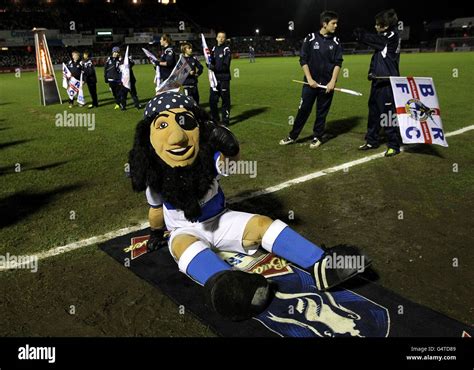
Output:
[[286, 141], [315, 143]]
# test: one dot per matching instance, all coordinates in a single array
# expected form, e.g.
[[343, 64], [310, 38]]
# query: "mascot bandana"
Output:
[[176, 160]]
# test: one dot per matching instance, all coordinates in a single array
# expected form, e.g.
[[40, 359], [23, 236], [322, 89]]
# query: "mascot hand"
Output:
[[157, 240], [224, 141]]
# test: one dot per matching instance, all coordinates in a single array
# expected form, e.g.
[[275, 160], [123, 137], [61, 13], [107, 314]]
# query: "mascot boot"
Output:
[[238, 295]]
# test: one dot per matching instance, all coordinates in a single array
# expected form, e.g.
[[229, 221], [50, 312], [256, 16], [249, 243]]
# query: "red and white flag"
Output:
[[417, 109], [207, 56]]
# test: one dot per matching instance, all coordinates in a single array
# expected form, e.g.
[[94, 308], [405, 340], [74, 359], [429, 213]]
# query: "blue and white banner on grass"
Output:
[[417, 109], [207, 56]]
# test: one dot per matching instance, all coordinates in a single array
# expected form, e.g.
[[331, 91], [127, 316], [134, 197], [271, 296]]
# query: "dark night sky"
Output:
[[241, 17]]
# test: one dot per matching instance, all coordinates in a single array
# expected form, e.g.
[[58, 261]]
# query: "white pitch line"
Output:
[[460, 131], [272, 189]]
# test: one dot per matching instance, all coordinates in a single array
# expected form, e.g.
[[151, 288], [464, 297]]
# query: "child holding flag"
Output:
[[385, 62], [75, 69], [190, 84]]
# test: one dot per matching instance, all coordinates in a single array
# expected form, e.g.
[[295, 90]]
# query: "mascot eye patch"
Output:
[[186, 121]]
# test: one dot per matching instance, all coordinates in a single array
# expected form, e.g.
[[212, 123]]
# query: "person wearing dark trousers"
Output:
[[75, 67], [113, 77], [133, 86], [90, 78], [321, 60], [167, 58], [385, 62], [220, 64], [251, 54], [190, 85]]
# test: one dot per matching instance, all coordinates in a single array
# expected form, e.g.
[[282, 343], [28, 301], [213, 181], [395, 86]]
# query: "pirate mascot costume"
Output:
[[176, 159]]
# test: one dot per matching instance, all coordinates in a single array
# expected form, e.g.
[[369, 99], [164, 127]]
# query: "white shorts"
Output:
[[223, 232]]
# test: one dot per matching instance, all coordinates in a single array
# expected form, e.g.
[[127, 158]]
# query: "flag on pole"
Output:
[[177, 77], [125, 68], [154, 60], [66, 76], [417, 109], [80, 93], [207, 56]]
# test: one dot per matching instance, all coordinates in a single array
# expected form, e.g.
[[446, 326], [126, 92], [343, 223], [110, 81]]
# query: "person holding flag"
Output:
[[90, 78], [167, 59], [129, 81], [113, 77], [321, 60], [190, 84], [385, 62], [75, 70], [219, 63]]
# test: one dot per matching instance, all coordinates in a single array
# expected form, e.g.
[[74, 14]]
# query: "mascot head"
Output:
[[171, 152]]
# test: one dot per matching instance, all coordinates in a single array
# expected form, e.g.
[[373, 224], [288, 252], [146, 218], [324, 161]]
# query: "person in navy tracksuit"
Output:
[[190, 85], [384, 63], [167, 59], [321, 60], [220, 60], [113, 77]]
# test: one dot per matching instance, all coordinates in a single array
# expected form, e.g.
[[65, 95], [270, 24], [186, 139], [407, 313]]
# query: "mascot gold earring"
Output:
[[176, 160]]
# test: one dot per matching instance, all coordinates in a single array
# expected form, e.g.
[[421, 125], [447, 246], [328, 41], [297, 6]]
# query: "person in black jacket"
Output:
[[113, 77], [167, 58], [220, 64], [90, 78], [75, 67], [321, 60], [384, 63], [190, 85]]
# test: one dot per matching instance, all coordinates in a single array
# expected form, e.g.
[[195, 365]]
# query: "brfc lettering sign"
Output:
[[418, 112]]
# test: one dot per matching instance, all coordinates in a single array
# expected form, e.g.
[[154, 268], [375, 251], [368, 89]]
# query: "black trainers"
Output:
[[367, 146], [339, 264], [238, 295]]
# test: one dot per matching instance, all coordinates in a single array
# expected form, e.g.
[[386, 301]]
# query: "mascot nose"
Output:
[[177, 137]]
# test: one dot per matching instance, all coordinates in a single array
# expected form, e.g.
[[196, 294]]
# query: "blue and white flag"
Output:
[[207, 56], [417, 110], [154, 60], [73, 86], [80, 93], [125, 69], [177, 77], [66, 76]]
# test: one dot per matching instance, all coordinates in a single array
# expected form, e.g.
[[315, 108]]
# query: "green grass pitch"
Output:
[[74, 169]]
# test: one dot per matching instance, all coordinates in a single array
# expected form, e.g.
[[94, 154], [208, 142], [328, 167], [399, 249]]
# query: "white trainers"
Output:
[[315, 143], [286, 141]]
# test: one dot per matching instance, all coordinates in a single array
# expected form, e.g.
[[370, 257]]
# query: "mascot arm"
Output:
[[157, 229], [225, 142]]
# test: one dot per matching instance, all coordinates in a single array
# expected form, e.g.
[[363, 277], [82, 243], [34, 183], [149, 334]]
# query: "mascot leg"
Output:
[[278, 238], [236, 295]]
